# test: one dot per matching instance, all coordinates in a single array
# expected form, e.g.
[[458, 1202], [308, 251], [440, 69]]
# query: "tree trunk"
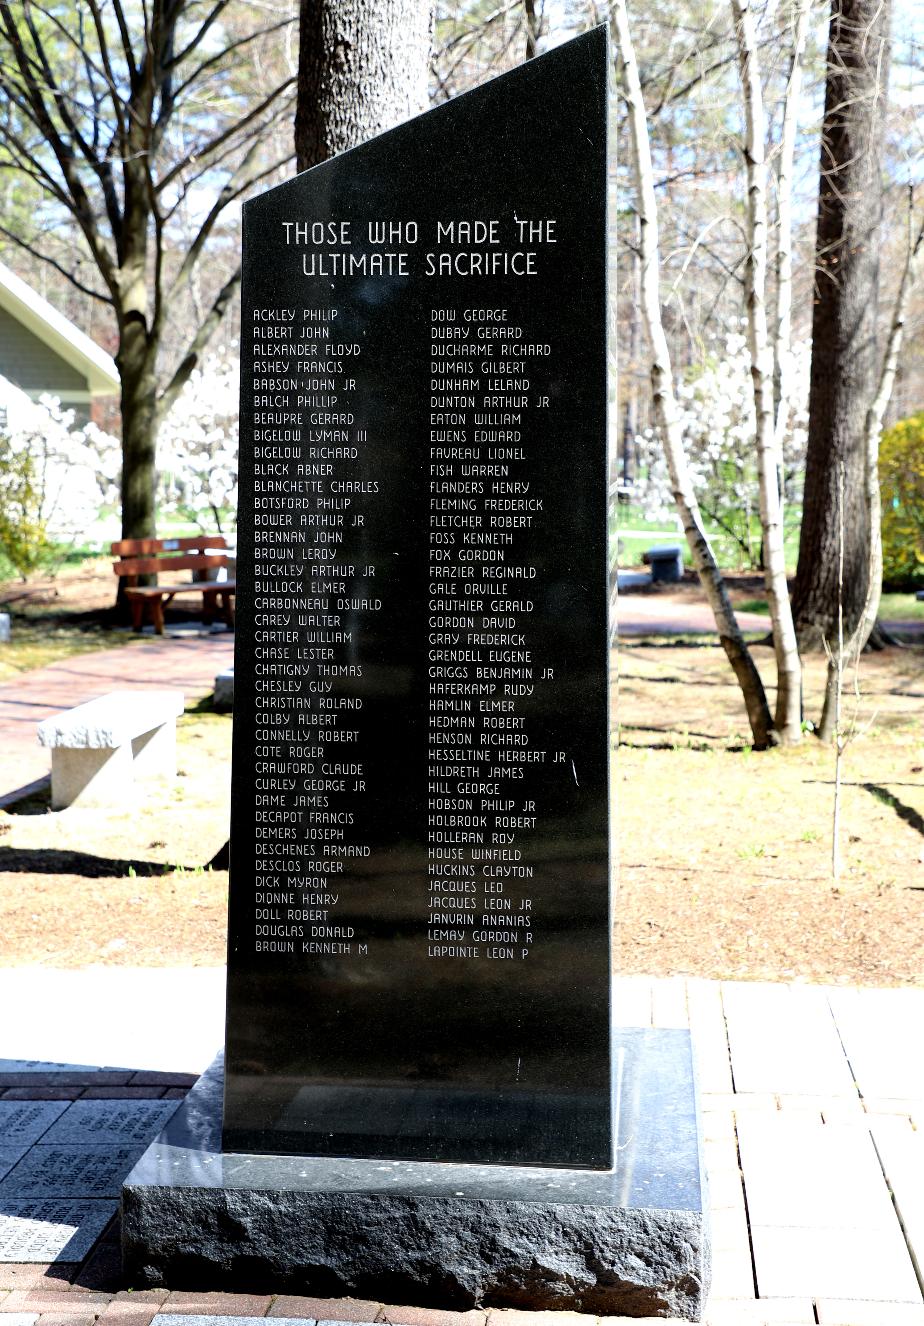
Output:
[[844, 357], [630, 386], [788, 716], [362, 68], [139, 445], [135, 362], [867, 629], [139, 471], [782, 335], [532, 28]]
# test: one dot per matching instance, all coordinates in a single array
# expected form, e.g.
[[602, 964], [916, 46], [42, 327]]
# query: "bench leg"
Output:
[[90, 777], [154, 752], [209, 597], [227, 609], [137, 613], [157, 614]]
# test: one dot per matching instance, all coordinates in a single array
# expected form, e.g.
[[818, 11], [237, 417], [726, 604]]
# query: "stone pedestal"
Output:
[[154, 753], [630, 1241], [94, 776], [224, 690]]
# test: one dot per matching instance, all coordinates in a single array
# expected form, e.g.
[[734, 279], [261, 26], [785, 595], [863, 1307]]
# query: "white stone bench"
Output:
[[98, 749], [224, 689]]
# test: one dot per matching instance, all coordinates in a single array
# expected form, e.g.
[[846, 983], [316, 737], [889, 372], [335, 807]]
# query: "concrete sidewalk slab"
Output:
[[816, 1193], [134, 1018]]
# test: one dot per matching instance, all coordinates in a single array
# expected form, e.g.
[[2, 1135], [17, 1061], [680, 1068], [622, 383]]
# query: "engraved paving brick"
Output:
[[51, 1231], [67, 1319], [11, 1155], [326, 1309], [26, 1121], [119, 1123], [410, 1316], [216, 1319], [128, 1314], [70, 1171], [158, 1079], [65, 1077], [56, 1300]]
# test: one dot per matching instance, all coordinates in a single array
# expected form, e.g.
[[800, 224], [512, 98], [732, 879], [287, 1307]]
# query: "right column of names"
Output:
[[488, 377]]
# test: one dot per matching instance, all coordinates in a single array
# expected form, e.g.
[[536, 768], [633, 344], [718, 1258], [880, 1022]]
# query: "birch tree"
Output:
[[782, 342], [665, 403], [788, 717]]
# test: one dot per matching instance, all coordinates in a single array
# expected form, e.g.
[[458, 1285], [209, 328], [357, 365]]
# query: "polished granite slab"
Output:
[[629, 1240]]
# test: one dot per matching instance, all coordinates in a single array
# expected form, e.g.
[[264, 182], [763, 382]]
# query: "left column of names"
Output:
[[310, 603]]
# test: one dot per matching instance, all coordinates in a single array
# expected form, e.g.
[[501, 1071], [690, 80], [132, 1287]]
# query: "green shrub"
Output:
[[901, 475], [23, 539]]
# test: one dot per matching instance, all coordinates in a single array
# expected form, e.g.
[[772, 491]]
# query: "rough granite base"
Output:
[[631, 1241]]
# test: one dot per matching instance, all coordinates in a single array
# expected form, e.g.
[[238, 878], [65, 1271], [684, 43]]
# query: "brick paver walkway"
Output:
[[813, 1113], [640, 614], [188, 663]]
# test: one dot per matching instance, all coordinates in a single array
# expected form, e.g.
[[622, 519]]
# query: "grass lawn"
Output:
[[54, 616], [37, 642], [892, 608], [901, 607]]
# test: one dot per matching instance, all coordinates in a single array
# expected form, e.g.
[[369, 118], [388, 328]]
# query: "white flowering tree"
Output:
[[198, 447], [716, 418], [53, 477]]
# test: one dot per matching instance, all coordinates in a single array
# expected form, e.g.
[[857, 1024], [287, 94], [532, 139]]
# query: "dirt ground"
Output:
[[724, 866], [725, 855], [130, 887]]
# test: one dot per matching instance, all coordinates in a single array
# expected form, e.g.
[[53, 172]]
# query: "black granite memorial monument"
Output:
[[419, 937], [419, 957]]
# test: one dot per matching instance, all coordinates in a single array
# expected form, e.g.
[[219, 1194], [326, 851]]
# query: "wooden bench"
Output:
[[98, 749], [203, 554]]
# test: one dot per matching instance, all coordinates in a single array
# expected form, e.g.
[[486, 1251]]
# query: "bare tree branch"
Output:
[[197, 40], [198, 344], [205, 152], [24, 244]]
